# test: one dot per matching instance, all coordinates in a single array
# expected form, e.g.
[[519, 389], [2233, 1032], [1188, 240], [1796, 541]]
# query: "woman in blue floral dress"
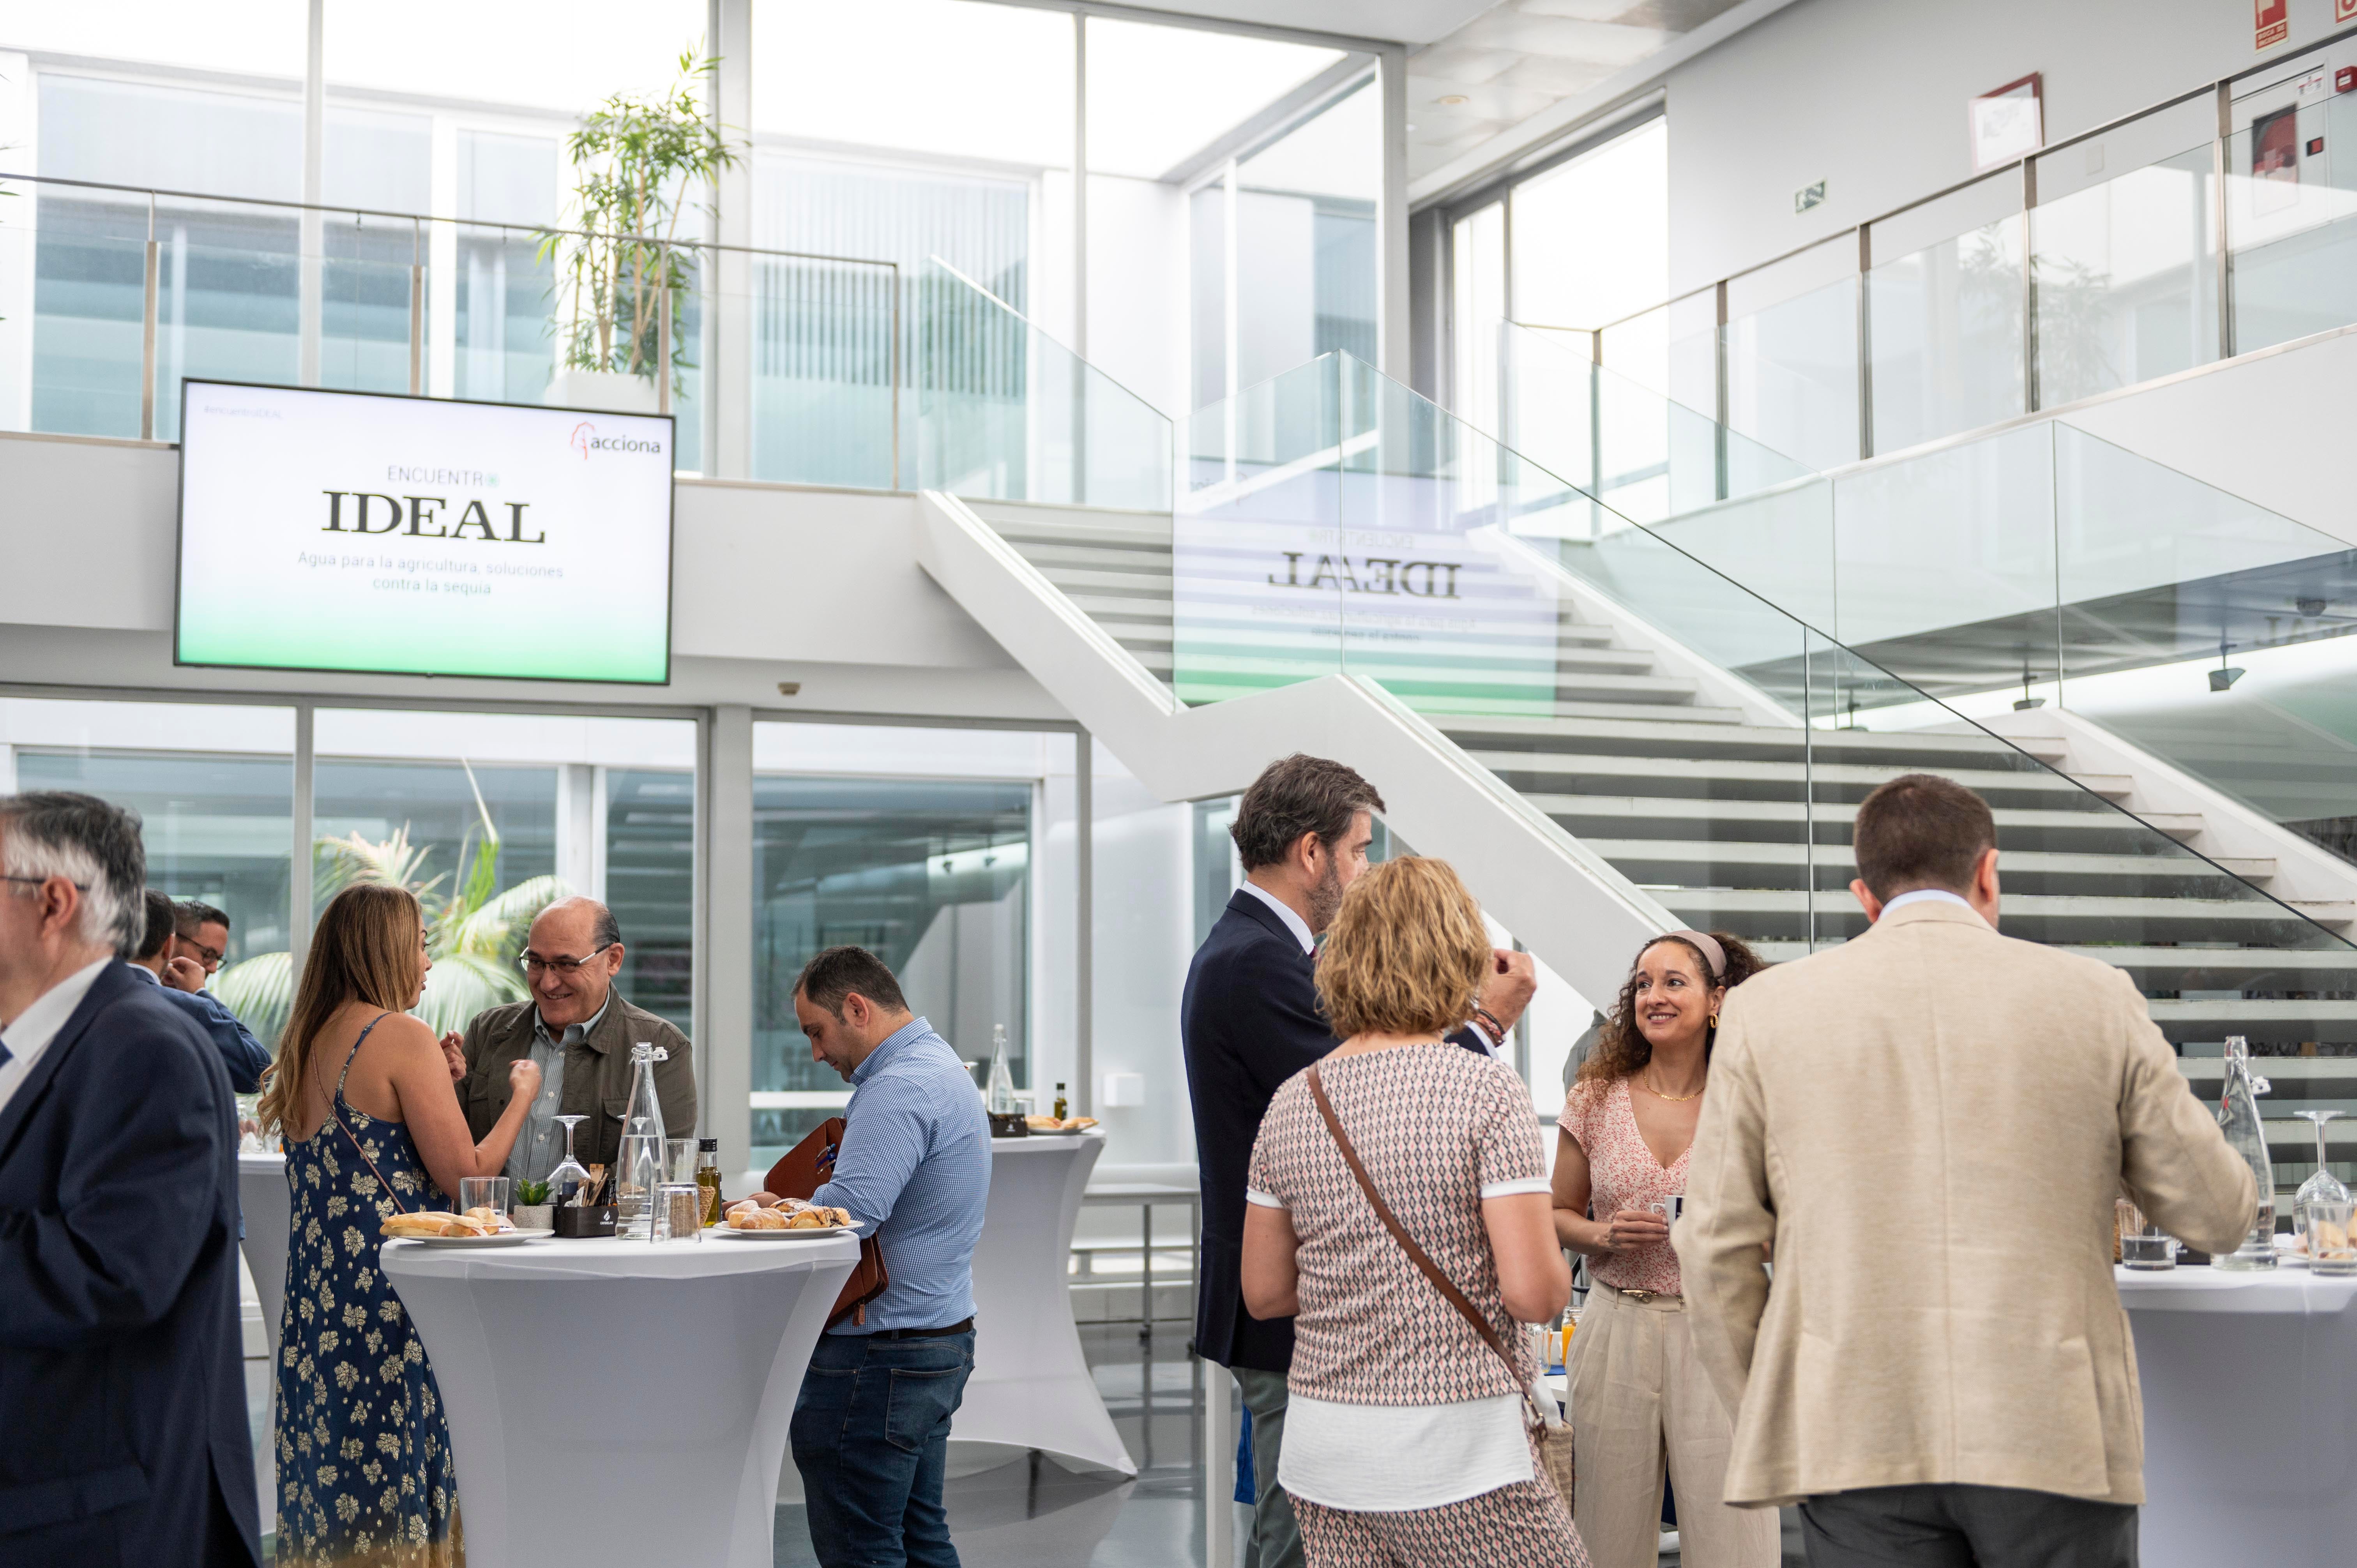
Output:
[[365, 1474]]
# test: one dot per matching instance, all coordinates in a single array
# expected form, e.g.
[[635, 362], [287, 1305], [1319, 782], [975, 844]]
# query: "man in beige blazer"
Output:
[[1929, 1124]]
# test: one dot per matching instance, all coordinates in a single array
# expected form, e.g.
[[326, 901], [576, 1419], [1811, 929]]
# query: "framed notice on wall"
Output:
[[2008, 123], [422, 536]]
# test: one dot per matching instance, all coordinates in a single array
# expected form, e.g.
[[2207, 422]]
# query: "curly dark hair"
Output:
[[1621, 1048]]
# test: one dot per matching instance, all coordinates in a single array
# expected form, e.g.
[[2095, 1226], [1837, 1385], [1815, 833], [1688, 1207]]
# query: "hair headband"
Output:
[[1706, 944]]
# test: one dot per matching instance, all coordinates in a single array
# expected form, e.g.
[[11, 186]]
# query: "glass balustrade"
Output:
[[813, 351], [1709, 745]]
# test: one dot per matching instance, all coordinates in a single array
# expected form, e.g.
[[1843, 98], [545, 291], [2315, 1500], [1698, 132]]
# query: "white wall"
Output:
[[1869, 96]]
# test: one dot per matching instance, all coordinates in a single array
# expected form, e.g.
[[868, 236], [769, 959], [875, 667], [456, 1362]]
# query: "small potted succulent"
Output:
[[532, 1211]]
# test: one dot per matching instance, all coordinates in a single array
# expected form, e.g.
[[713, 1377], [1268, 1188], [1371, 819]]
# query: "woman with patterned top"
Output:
[[365, 1470], [1405, 1440], [1641, 1402]]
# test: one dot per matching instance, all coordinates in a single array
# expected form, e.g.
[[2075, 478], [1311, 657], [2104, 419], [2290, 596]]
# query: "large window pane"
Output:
[[1477, 276], [1305, 265], [509, 812], [1592, 236], [932, 874], [213, 785]]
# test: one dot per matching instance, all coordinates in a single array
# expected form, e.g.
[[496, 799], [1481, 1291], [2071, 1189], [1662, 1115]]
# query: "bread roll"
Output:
[[424, 1223]]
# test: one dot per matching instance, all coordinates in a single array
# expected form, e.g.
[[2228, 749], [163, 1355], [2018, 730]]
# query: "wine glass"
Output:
[[2324, 1184], [569, 1176]]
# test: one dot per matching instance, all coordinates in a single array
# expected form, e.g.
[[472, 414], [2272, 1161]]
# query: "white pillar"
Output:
[[727, 346], [314, 137], [1392, 345], [724, 942]]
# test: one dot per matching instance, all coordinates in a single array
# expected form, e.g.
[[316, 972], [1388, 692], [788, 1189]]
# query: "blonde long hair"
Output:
[[369, 947], [1406, 953]]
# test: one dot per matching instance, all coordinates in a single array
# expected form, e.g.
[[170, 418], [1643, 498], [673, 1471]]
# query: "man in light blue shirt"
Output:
[[871, 1428]]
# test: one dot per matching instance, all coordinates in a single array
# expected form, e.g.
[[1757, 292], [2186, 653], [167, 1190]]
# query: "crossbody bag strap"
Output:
[[1440, 1281]]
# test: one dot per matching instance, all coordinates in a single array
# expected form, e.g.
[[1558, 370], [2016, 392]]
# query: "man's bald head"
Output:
[[570, 959]]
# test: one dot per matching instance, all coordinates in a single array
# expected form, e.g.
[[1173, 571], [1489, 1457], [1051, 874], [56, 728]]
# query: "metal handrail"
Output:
[[419, 222]]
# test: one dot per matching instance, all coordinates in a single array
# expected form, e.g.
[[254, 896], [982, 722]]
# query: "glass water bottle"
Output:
[[2238, 1117], [638, 1162], [1002, 1079]]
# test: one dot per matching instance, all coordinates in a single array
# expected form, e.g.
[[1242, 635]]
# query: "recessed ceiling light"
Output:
[[1451, 99]]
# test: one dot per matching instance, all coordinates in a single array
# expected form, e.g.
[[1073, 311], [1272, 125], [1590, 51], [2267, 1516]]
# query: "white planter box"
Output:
[[609, 391]]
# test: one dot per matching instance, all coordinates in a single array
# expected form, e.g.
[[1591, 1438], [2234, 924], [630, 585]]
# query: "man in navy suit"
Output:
[[123, 1434], [182, 980], [1249, 1020]]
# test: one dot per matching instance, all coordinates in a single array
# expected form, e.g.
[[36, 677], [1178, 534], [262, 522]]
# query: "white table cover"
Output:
[[617, 1401], [1031, 1387], [2250, 1416], [262, 1194]]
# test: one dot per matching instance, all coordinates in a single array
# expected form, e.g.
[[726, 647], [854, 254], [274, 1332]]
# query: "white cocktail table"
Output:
[[262, 1198], [2250, 1416], [617, 1401], [1031, 1386]]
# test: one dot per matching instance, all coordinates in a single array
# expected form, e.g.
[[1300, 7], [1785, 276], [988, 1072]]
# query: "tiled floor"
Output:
[[1032, 1513]]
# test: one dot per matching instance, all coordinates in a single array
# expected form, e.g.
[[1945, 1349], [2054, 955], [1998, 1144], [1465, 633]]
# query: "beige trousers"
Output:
[[1640, 1400]]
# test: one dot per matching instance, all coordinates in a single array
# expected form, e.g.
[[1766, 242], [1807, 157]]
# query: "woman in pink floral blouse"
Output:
[[1640, 1403]]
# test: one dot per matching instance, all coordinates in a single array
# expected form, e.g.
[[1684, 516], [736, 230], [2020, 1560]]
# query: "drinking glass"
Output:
[[678, 1212], [2143, 1244], [570, 1176], [679, 1159], [483, 1192], [2323, 1183], [2330, 1251]]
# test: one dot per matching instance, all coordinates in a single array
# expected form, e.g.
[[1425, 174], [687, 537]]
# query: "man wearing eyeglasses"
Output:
[[581, 1034], [199, 934]]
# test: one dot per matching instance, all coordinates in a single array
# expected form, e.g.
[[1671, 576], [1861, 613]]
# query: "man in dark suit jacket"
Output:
[[182, 981], [122, 1430], [1249, 1020]]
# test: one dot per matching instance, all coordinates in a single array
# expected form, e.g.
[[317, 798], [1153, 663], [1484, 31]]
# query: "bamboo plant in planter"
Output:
[[621, 277]]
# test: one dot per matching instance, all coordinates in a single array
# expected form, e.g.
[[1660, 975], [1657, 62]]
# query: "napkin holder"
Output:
[[1008, 1124], [579, 1220]]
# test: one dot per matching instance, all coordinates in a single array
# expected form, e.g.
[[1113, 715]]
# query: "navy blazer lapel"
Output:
[[1242, 903], [110, 984]]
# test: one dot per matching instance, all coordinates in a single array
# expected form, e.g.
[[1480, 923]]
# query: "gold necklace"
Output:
[[1675, 1099]]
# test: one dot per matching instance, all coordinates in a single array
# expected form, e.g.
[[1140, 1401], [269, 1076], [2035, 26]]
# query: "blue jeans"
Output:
[[870, 1436]]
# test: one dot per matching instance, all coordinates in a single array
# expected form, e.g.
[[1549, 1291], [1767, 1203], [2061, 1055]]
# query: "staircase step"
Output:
[[2110, 786], [1724, 863], [1766, 778]]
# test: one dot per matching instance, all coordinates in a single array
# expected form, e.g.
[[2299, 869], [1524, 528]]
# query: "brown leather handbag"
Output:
[[807, 1166], [1550, 1440]]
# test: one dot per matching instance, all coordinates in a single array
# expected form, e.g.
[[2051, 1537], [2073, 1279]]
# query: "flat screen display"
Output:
[[418, 536]]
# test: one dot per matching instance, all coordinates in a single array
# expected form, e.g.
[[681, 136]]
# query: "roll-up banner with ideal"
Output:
[[404, 535]]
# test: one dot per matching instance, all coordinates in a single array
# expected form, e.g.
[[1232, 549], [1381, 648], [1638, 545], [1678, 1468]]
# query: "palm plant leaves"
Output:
[[261, 992], [473, 934]]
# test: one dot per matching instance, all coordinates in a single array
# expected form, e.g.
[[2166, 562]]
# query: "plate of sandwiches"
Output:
[[475, 1227], [1048, 1126], [765, 1216]]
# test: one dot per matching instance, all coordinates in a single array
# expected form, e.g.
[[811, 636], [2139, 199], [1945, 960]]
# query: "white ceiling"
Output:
[[1519, 57], [1477, 70], [1395, 21]]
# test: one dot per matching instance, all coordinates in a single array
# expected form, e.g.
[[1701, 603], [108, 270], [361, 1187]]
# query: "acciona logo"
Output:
[[585, 440]]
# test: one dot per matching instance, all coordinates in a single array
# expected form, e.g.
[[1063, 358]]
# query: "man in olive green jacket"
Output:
[[580, 1032]]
